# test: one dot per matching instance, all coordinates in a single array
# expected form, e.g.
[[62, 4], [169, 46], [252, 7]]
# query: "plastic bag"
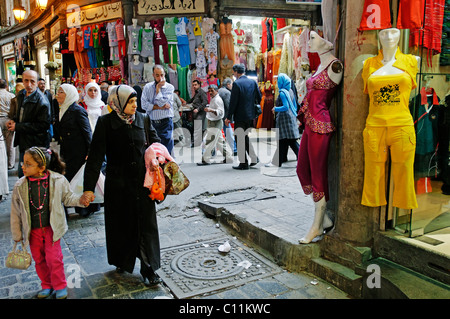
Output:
[[76, 185]]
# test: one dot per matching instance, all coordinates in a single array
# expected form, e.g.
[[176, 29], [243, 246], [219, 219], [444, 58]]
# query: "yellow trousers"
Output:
[[401, 142]]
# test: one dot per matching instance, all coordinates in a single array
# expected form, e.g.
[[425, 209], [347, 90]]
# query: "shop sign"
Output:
[[304, 1], [8, 49], [168, 7], [90, 15], [55, 31], [39, 39]]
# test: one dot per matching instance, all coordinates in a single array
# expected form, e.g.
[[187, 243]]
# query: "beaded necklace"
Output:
[[44, 180]]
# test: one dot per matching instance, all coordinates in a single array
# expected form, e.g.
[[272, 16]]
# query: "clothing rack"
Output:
[[292, 27]]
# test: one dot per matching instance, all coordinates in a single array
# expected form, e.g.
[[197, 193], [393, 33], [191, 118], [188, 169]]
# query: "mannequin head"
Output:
[[318, 44], [389, 38]]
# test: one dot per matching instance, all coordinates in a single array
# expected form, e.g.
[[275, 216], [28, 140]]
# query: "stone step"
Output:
[[338, 275], [398, 282]]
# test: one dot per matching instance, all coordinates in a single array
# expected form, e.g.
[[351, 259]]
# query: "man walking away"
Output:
[[214, 115], [244, 95]]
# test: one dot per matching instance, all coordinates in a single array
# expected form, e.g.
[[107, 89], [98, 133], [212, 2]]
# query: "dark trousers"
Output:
[[244, 147], [280, 155], [164, 128], [69, 65]]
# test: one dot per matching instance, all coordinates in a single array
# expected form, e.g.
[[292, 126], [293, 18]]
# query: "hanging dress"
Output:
[[267, 121]]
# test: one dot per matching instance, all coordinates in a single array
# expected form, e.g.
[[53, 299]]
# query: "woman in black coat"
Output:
[[74, 136], [130, 215]]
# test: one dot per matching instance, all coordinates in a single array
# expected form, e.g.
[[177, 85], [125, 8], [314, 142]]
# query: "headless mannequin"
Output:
[[134, 21], [324, 48], [147, 25]]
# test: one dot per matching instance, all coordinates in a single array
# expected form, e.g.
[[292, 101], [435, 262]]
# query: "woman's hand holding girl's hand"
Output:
[[87, 198]]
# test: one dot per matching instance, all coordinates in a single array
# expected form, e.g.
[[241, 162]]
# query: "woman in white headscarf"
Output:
[[74, 135], [93, 103], [130, 214]]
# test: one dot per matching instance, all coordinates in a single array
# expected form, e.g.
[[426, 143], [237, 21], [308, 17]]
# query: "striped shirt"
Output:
[[150, 98]]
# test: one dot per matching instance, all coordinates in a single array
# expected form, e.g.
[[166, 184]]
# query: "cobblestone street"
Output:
[[90, 277]]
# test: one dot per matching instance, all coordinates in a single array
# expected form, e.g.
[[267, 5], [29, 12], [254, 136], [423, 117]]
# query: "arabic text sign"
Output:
[[80, 16], [153, 7]]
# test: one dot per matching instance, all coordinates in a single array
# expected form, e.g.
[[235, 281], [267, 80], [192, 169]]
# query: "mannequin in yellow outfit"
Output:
[[389, 78]]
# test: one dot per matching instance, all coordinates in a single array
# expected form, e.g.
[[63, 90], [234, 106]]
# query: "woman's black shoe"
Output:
[[148, 273], [120, 270]]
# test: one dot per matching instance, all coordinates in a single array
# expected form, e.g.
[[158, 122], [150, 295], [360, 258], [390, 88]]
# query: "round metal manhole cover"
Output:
[[207, 263], [230, 198], [199, 268]]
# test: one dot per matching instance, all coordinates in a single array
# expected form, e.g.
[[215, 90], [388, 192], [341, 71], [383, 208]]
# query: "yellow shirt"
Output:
[[389, 94]]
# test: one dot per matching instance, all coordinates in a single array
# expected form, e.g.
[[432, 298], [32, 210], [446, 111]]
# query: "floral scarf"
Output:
[[118, 100]]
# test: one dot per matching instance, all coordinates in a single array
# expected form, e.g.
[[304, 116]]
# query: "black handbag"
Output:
[[258, 110]]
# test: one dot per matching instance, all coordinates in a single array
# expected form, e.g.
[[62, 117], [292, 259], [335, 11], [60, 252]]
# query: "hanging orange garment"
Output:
[[430, 35], [410, 14], [226, 42], [264, 36], [376, 15], [258, 123], [276, 61]]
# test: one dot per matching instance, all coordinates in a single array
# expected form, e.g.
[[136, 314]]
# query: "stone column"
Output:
[[128, 11], [355, 223]]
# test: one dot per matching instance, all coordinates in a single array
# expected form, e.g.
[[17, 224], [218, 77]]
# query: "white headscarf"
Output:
[[71, 97], [94, 105]]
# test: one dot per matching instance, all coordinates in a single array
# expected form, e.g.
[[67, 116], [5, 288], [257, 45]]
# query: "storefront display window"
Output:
[[428, 226], [10, 70]]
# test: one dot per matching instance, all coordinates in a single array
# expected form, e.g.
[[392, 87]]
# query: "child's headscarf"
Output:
[[284, 85], [93, 103], [71, 97], [118, 100]]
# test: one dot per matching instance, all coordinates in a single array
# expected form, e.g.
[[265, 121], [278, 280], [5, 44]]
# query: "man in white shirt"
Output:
[[214, 114]]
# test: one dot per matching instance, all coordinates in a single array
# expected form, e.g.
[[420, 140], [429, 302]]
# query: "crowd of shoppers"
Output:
[[116, 124]]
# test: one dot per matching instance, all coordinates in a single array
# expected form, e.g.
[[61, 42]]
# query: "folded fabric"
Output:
[[155, 154]]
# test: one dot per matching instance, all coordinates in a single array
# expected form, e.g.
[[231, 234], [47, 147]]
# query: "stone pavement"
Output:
[[267, 198]]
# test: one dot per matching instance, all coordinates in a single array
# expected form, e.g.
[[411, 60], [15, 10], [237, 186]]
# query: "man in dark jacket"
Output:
[[32, 120], [244, 95], [48, 95], [104, 91]]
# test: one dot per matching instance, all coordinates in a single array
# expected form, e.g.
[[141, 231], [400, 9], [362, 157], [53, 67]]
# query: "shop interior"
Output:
[[428, 226], [285, 53]]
